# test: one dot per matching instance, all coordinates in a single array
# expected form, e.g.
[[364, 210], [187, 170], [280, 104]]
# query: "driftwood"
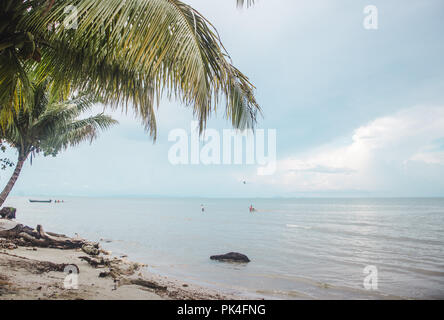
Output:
[[113, 273], [91, 249], [36, 266], [96, 262], [147, 284], [25, 236]]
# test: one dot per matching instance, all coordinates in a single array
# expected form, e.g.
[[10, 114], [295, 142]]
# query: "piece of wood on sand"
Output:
[[26, 236]]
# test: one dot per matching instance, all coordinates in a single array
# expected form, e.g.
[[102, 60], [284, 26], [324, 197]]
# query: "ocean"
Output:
[[308, 248]]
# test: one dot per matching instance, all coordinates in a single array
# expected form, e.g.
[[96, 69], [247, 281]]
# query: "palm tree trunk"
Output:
[[13, 179]]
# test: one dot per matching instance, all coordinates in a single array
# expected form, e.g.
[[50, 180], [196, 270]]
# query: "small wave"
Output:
[[372, 235], [425, 271], [297, 226], [292, 293]]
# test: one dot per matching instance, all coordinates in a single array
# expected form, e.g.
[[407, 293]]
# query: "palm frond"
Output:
[[59, 114], [77, 132], [49, 124], [134, 52]]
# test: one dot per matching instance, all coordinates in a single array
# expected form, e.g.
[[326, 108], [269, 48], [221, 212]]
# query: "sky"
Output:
[[357, 112]]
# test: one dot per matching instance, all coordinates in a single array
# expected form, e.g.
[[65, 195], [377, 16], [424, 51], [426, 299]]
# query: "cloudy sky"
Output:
[[357, 112]]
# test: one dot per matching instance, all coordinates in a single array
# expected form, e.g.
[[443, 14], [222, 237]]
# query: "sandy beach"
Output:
[[39, 273]]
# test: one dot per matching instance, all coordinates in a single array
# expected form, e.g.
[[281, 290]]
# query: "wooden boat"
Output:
[[44, 201]]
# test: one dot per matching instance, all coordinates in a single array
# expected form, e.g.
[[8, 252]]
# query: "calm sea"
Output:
[[300, 248]]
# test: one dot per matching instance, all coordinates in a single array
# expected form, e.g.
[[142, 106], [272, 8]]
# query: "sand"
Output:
[[38, 273]]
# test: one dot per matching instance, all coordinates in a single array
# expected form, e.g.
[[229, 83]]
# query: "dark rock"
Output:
[[231, 257], [8, 213]]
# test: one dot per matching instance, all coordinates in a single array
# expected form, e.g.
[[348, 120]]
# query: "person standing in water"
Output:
[[251, 208], [202, 208]]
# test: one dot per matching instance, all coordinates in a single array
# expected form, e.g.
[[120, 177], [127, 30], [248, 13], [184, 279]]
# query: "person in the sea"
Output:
[[252, 208], [202, 208]]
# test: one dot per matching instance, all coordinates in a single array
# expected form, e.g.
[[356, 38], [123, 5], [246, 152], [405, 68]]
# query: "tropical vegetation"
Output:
[[129, 54], [49, 125]]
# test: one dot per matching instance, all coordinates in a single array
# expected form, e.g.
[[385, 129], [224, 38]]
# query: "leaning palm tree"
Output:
[[49, 125], [127, 53]]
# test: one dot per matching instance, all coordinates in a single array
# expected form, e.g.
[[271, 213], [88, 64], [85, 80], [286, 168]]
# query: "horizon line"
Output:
[[230, 197]]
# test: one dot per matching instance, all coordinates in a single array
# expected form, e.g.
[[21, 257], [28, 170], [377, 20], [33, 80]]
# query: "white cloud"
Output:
[[381, 154], [429, 157]]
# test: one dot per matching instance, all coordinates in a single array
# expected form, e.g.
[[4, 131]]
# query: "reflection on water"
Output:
[[300, 248]]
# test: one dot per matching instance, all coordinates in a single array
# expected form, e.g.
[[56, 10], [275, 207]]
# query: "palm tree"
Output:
[[127, 53], [49, 125]]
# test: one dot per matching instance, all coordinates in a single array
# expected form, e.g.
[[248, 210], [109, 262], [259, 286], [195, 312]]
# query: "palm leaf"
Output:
[[51, 125], [132, 53], [77, 132]]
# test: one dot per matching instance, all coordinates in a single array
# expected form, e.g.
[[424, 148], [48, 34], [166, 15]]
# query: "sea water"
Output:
[[299, 248]]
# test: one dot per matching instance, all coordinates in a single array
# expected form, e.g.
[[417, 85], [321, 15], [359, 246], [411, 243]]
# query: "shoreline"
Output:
[[38, 273]]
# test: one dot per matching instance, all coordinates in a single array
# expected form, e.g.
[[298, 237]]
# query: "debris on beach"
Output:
[[33, 275], [22, 235], [91, 248], [96, 262], [6, 244], [145, 283], [8, 213]]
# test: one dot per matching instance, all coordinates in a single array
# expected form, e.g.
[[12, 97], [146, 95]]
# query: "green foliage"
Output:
[[18, 46], [50, 125], [4, 162], [127, 53]]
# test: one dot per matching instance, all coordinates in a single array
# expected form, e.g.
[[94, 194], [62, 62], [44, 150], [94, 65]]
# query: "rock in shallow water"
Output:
[[231, 257]]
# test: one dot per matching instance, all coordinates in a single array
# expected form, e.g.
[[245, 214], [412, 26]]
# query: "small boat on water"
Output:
[[44, 201]]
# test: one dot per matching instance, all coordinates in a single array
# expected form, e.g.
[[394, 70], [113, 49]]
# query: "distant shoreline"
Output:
[[301, 197]]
